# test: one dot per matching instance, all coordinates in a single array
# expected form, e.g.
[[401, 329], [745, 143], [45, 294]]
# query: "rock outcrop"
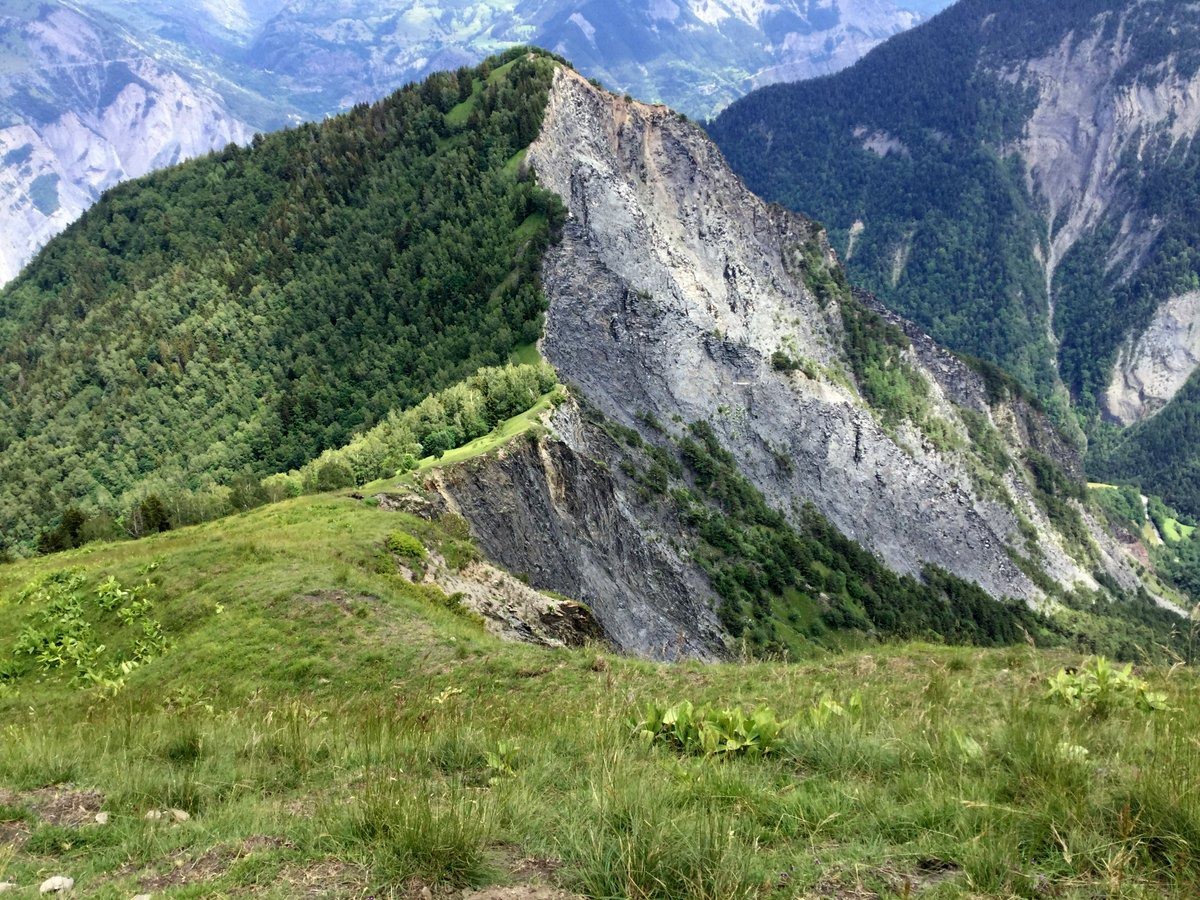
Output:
[[558, 510], [672, 294], [669, 293], [1152, 367]]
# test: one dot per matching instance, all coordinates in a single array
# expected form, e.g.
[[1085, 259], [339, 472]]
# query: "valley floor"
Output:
[[308, 723]]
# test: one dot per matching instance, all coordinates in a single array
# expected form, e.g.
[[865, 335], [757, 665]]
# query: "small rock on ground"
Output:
[[7, 886], [160, 815], [59, 884]]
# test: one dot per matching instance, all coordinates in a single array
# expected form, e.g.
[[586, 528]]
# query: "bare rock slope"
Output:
[[83, 106], [669, 293]]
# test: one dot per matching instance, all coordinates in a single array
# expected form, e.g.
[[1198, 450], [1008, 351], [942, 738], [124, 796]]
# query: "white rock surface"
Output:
[[59, 884], [1088, 117], [118, 113], [1153, 366]]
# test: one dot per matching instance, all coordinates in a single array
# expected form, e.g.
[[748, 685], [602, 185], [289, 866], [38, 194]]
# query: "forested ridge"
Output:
[[907, 157], [235, 316]]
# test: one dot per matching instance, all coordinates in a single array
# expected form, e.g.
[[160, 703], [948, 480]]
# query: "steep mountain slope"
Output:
[[83, 106], [91, 103], [738, 426], [676, 295], [1020, 179]]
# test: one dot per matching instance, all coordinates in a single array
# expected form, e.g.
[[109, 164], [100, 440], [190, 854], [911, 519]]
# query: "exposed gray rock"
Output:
[[509, 608], [669, 292], [59, 884], [1089, 119], [1152, 367], [555, 509]]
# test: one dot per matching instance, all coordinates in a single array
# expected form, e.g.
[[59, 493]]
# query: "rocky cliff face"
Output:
[[669, 293], [1027, 193], [558, 510], [1091, 116], [1102, 112], [83, 108], [1152, 367]]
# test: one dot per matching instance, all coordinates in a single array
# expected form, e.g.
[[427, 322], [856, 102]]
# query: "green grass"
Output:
[[525, 355], [323, 721], [1175, 531], [458, 116], [501, 72], [532, 226], [499, 436], [513, 166]]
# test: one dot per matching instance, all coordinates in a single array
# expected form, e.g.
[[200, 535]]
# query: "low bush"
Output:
[[1101, 687], [712, 731], [404, 544]]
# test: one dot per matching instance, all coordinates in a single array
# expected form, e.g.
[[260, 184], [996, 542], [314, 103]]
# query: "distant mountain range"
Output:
[[98, 91]]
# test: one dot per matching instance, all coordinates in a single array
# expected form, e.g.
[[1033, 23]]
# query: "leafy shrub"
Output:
[[404, 544], [782, 362], [60, 633], [711, 731], [1102, 688]]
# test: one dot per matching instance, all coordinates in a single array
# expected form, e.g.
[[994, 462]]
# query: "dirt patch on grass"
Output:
[[835, 890], [63, 805], [343, 600], [14, 834], [924, 876], [929, 873], [521, 892], [534, 870], [183, 869], [320, 878]]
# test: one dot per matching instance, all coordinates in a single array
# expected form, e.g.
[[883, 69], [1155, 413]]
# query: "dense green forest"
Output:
[[907, 158], [787, 586], [235, 316], [441, 422], [1161, 454]]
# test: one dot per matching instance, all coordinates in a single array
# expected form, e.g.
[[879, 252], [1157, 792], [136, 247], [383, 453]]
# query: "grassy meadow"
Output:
[[298, 720]]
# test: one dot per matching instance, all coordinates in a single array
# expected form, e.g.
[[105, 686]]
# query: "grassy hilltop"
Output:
[[330, 729]]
